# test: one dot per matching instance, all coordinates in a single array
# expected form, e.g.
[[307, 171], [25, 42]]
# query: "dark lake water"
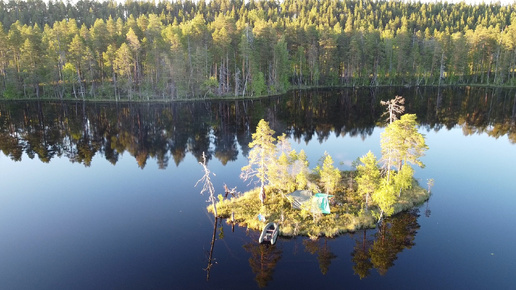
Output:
[[102, 196]]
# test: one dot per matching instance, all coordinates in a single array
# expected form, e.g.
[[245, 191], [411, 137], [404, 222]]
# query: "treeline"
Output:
[[180, 50], [166, 133]]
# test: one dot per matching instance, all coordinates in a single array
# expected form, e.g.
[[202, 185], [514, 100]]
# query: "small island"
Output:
[[326, 201]]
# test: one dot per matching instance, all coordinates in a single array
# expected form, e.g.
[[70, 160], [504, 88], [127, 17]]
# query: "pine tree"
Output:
[[385, 197], [329, 175], [262, 153], [401, 143], [368, 176]]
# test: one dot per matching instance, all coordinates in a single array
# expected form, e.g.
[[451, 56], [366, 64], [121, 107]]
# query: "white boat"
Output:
[[269, 234]]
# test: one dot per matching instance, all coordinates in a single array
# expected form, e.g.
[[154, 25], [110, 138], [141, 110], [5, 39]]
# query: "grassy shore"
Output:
[[347, 213]]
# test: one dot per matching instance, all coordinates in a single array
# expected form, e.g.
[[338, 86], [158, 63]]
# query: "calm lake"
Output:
[[102, 196]]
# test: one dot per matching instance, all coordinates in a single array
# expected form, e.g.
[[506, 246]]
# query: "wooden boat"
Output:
[[269, 234]]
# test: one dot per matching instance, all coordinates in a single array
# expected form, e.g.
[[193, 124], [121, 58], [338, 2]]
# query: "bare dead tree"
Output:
[[394, 106], [231, 191], [207, 184]]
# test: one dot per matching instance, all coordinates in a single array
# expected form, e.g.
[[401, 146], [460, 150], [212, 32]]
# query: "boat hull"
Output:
[[269, 234]]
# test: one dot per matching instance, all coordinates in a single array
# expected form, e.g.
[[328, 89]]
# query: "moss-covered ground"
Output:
[[348, 212]]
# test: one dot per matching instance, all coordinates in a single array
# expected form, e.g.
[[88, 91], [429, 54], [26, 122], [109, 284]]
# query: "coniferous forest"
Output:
[[171, 50]]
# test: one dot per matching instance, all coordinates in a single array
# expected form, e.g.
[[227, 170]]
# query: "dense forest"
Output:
[[141, 50]]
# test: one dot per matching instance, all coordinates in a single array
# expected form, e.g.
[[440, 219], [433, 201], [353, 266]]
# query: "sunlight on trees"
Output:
[[401, 143], [171, 50], [329, 176], [368, 176], [261, 155]]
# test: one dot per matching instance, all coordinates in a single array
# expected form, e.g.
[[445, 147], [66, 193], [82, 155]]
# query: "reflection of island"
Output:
[[361, 257], [263, 260], [164, 132], [323, 252], [394, 235]]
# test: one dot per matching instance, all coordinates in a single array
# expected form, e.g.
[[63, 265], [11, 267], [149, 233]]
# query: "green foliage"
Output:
[[261, 155], [368, 176], [69, 73], [284, 172], [169, 49], [403, 179], [401, 143], [209, 86], [282, 180], [292, 222], [301, 171], [258, 85], [329, 176], [385, 196], [305, 222], [290, 171], [11, 92]]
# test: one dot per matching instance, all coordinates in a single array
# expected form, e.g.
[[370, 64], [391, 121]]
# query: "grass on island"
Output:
[[347, 213]]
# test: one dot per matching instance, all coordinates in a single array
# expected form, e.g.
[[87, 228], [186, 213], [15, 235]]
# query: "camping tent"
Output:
[[320, 200], [299, 197]]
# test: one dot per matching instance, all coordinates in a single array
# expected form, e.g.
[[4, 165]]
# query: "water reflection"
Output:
[[361, 258], [165, 132], [393, 236], [263, 260], [324, 254], [373, 250]]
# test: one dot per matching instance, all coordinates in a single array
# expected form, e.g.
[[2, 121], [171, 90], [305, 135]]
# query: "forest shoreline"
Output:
[[142, 100], [189, 51]]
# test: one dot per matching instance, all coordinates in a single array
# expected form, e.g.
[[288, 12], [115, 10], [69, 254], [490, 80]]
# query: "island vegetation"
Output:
[[170, 50], [359, 198]]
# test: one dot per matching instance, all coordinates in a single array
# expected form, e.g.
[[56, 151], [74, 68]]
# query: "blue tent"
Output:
[[322, 202]]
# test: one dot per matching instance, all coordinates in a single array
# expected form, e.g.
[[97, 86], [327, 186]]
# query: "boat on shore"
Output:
[[269, 234]]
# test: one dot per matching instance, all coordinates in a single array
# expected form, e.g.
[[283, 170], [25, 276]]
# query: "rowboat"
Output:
[[269, 234]]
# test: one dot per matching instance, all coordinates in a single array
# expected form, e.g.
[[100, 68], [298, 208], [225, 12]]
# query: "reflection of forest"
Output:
[[263, 260], [373, 249], [78, 131], [394, 235], [324, 254]]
